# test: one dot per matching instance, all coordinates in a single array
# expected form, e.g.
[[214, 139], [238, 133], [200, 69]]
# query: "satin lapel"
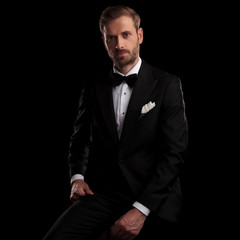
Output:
[[140, 95], [104, 94]]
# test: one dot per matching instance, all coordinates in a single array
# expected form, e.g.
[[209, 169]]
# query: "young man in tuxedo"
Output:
[[127, 148]]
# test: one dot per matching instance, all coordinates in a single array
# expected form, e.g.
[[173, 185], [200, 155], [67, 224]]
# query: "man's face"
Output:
[[122, 41]]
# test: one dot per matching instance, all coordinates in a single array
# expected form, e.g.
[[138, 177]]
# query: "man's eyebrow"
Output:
[[112, 35], [127, 32]]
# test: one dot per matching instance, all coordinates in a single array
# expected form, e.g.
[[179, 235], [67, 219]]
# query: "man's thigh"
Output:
[[86, 218]]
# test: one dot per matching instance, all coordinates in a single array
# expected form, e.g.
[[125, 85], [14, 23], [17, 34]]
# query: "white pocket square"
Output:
[[147, 107]]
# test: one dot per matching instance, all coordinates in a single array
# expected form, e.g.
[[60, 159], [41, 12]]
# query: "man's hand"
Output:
[[129, 225], [79, 189]]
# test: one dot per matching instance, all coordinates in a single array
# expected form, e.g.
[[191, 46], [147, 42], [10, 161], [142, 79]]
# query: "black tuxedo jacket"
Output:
[[152, 145]]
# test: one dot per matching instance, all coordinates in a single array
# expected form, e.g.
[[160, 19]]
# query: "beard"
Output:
[[128, 58]]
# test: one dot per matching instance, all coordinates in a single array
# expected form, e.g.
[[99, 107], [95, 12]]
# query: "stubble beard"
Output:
[[128, 59]]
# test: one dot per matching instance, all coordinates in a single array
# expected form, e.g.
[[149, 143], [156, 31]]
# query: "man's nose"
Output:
[[119, 43]]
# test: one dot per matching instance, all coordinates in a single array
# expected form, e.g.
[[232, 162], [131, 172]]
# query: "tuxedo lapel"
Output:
[[140, 96], [104, 94]]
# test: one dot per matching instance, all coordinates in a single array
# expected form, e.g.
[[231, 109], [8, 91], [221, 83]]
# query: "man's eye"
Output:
[[126, 34], [110, 38]]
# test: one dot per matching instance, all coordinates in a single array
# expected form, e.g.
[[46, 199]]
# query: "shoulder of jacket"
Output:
[[159, 72], [101, 78]]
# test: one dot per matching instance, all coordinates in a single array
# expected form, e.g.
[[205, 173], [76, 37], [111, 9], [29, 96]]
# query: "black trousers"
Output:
[[88, 218]]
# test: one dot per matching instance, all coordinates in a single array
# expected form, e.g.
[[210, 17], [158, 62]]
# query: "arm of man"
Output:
[[171, 148], [173, 142], [80, 139]]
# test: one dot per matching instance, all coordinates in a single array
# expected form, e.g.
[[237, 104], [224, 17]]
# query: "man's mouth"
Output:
[[121, 53]]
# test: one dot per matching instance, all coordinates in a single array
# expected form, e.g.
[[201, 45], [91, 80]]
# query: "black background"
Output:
[[51, 51]]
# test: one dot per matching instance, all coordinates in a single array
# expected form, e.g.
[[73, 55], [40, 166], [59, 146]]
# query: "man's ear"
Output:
[[140, 35]]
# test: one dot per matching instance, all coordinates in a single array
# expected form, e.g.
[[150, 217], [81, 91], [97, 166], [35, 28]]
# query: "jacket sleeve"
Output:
[[172, 140], [80, 139]]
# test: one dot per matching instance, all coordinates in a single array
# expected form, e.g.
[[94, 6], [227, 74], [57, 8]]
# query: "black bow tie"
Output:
[[118, 79]]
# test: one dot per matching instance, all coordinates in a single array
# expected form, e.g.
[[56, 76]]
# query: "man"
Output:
[[127, 148]]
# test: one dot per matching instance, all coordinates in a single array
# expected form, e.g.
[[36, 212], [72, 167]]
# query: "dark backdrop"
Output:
[[54, 49]]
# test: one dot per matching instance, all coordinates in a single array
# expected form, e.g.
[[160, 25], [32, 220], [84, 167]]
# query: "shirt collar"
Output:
[[134, 70]]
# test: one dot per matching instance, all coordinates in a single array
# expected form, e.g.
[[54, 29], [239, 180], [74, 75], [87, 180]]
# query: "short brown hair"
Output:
[[113, 12]]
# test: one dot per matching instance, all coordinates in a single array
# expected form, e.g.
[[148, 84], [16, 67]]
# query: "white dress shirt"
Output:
[[121, 96]]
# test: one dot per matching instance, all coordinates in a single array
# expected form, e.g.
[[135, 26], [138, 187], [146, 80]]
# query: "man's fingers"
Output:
[[81, 192], [74, 197], [80, 189], [88, 191]]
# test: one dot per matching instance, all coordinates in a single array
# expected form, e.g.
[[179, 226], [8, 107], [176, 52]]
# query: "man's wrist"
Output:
[[146, 211], [76, 177]]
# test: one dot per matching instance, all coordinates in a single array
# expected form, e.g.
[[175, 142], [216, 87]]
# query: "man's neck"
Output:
[[125, 69]]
